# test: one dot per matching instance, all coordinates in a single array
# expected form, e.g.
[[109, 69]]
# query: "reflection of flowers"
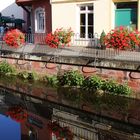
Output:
[[14, 38], [17, 113], [60, 132]]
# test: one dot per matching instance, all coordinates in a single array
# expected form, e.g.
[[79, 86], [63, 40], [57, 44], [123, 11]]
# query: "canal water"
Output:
[[38, 112]]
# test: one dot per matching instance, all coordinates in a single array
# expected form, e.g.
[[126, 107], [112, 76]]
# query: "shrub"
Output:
[[14, 38], [32, 76], [123, 89], [122, 38], [59, 37], [92, 83], [52, 80], [6, 68], [28, 75], [109, 86], [112, 86], [23, 74], [102, 38], [71, 78]]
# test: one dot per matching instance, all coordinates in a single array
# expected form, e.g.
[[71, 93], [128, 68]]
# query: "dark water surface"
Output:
[[27, 110]]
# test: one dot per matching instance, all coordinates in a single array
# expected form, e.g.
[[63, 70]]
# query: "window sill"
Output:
[[40, 32]]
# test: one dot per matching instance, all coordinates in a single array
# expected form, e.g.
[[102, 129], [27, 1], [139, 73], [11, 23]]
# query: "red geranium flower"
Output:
[[122, 38], [60, 37], [14, 38]]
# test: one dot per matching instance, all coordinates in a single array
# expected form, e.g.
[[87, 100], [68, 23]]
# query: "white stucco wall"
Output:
[[102, 16], [65, 15], [9, 7]]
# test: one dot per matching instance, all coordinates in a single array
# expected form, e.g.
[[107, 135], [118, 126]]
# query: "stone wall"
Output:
[[52, 68]]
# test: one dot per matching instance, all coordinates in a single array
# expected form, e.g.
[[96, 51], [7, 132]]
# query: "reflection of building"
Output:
[[38, 114], [80, 129], [84, 126], [41, 132], [38, 117], [86, 129]]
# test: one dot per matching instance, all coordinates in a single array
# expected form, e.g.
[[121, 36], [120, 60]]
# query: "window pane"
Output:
[[82, 8], [41, 21], [90, 19], [90, 7], [82, 32], [90, 31], [82, 19]]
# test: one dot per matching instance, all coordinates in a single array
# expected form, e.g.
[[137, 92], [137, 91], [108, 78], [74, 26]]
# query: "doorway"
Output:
[[126, 14]]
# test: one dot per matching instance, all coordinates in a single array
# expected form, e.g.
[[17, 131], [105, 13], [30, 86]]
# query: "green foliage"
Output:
[[112, 86], [52, 80], [96, 83], [109, 86], [28, 75], [71, 94], [113, 102], [71, 78], [6, 68], [32, 76], [23, 75], [123, 89], [92, 83]]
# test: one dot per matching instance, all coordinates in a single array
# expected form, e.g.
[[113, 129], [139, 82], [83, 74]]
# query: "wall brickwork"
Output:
[[52, 68]]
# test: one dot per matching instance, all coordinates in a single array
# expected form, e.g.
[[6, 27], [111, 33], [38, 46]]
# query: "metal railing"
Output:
[[79, 50], [74, 51], [76, 40]]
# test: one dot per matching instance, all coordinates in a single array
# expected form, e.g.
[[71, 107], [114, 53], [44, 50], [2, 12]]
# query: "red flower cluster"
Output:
[[60, 37], [52, 40], [122, 38], [14, 38], [17, 113], [60, 132]]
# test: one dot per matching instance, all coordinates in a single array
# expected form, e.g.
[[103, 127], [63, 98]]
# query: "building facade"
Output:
[[93, 16], [85, 17], [37, 15]]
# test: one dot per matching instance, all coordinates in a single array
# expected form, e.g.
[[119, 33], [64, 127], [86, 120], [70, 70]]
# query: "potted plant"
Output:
[[14, 38], [123, 38], [60, 37], [102, 40]]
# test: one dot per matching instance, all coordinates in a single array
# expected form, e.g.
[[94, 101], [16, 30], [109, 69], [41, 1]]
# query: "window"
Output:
[[86, 21], [40, 20]]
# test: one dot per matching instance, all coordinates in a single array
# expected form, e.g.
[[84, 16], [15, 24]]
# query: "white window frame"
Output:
[[86, 11], [39, 27]]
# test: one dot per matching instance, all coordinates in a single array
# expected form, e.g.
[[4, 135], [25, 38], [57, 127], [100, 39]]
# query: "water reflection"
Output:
[[9, 129], [57, 114]]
